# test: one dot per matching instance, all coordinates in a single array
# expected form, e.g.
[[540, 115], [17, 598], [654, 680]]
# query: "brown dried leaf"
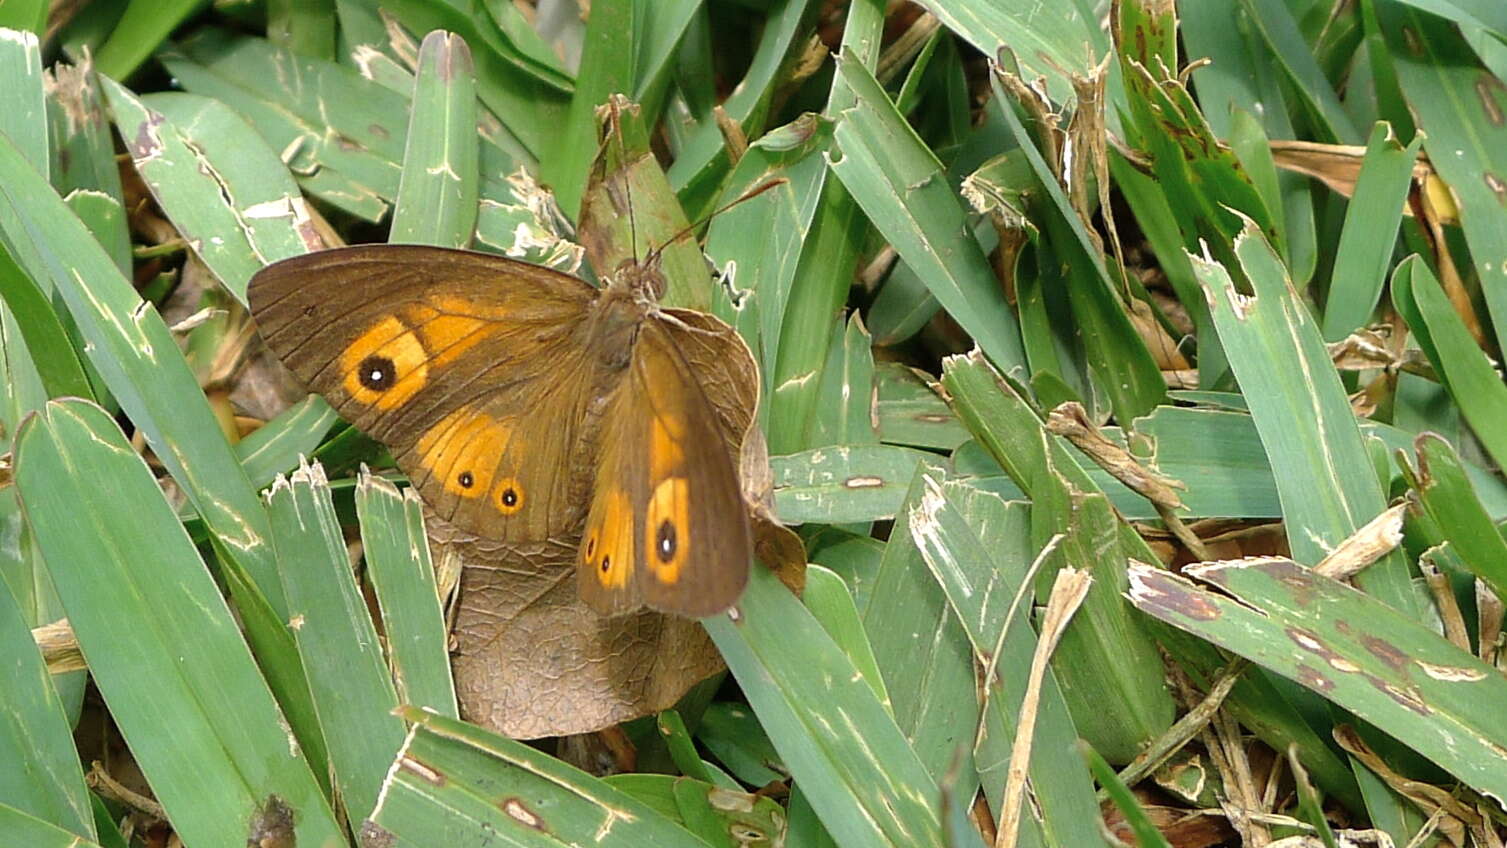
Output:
[[531, 660], [629, 209]]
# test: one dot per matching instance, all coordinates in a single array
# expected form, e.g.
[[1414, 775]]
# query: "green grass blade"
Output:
[[39, 768], [911, 413], [842, 747], [1446, 496], [702, 165], [659, 29], [827, 597], [22, 828], [927, 665], [144, 26], [140, 362], [397, 558], [42, 329], [758, 244], [1244, 80], [903, 306], [607, 66], [716, 814], [735, 737], [188, 674], [353, 694], [828, 257], [303, 26], [1275, 22], [1460, 108], [889, 170], [1323, 475], [1463, 368], [979, 550], [844, 412], [1468, 14], [843, 484], [342, 134], [23, 108], [1048, 37], [275, 447], [229, 195], [528, 97], [436, 201], [1116, 353], [1146, 834], [83, 150], [30, 15], [1379, 664], [1010, 430], [1365, 248], [457, 785]]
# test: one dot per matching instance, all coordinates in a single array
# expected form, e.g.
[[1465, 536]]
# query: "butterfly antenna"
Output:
[[691, 228]]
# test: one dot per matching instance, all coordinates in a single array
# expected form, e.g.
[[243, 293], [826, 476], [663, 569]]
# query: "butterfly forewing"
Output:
[[667, 525], [472, 368]]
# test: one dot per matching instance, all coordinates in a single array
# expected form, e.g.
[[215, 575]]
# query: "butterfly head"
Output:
[[642, 280]]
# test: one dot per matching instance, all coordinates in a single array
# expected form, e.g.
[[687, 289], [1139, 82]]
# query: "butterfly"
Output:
[[518, 398]]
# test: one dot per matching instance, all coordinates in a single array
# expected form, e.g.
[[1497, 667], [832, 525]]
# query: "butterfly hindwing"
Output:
[[472, 368], [668, 525]]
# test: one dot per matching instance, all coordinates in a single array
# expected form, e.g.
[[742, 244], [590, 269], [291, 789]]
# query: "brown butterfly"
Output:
[[513, 396]]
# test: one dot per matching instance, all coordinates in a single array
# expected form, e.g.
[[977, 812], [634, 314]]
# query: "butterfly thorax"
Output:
[[631, 295]]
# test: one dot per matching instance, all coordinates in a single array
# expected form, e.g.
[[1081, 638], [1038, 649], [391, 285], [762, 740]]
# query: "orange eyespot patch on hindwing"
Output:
[[607, 547], [667, 529], [667, 519], [463, 451], [390, 362]]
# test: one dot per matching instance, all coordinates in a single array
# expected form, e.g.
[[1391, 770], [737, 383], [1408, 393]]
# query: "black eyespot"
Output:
[[509, 497], [466, 480], [376, 373], [591, 546], [664, 542], [606, 564]]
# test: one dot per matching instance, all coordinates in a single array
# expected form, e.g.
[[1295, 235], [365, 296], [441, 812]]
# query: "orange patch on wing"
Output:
[[463, 450], [607, 545], [389, 342], [445, 334], [456, 305], [667, 528], [665, 453]]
